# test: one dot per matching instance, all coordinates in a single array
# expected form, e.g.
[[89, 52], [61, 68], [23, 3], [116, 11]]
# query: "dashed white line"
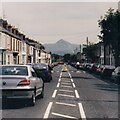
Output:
[[82, 113], [66, 86], [65, 90], [65, 116], [71, 80], [47, 112], [54, 93], [66, 95], [58, 85], [76, 94], [67, 104], [73, 85], [59, 79], [84, 72]]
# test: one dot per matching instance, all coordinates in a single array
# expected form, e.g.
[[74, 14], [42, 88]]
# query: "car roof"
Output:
[[15, 65]]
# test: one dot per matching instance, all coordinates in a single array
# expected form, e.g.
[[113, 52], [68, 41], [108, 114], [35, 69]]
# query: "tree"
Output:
[[67, 57], [110, 33], [89, 51]]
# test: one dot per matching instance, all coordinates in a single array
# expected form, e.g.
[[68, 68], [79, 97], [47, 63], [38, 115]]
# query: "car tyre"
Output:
[[42, 93], [33, 100]]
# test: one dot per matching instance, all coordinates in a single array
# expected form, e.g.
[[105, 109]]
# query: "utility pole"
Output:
[[87, 47]]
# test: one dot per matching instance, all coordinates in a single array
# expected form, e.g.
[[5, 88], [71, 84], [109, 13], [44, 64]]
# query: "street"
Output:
[[72, 94]]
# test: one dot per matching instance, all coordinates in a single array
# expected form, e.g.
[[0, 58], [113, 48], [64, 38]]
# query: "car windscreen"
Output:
[[13, 70]]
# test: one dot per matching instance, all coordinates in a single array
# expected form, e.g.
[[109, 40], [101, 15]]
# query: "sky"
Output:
[[48, 22]]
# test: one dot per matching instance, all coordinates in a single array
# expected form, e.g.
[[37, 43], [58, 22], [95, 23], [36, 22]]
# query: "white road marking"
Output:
[[66, 86], [57, 71], [64, 83], [82, 113], [65, 90], [65, 116], [72, 71], [47, 112], [84, 72], [73, 85], [54, 93], [66, 95], [67, 104], [71, 80], [67, 81], [76, 94], [70, 75], [59, 79], [61, 74], [77, 71], [58, 85]]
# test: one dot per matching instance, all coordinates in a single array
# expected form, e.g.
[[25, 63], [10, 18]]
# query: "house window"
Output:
[[8, 59]]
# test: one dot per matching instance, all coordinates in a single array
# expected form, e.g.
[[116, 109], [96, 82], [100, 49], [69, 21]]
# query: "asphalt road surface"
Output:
[[73, 95]]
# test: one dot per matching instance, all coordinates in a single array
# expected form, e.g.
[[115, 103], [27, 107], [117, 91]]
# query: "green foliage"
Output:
[[110, 32]]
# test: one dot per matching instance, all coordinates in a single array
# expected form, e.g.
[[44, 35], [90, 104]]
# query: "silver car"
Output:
[[20, 81]]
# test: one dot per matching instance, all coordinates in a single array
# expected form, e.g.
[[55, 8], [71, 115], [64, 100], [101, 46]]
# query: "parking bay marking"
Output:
[[61, 115], [67, 104], [47, 112]]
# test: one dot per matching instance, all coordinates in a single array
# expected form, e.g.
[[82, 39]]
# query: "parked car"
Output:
[[116, 75], [107, 71], [43, 71], [20, 82]]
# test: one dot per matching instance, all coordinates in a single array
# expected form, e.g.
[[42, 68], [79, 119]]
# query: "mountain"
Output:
[[62, 47]]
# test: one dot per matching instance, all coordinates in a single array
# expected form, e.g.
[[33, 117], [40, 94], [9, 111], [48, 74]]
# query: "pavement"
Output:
[[72, 94]]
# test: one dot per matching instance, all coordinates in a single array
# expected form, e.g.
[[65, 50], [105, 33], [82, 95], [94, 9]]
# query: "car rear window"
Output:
[[13, 70], [40, 66]]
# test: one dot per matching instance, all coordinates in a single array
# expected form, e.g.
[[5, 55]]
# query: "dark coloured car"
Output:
[[43, 71], [107, 71], [116, 75]]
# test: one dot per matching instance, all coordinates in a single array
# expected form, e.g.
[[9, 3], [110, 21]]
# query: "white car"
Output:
[[20, 82]]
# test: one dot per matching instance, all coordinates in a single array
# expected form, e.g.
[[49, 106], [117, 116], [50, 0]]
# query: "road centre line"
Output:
[[59, 79], [76, 94], [84, 72], [65, 90], [65, 116], [66, 95], [73, 85], [47, 112], [71, 80], [67, 81], [82, 112], [64, 83], [67, 104], [58, 85], [54, 93], [61, 74], [66, 86]]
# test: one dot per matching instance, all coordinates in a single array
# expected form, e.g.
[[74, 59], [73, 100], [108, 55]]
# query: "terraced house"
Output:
[[15, 48]]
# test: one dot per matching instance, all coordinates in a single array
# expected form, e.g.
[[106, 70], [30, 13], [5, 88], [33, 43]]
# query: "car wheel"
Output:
[[42, 93], [33, 100]]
